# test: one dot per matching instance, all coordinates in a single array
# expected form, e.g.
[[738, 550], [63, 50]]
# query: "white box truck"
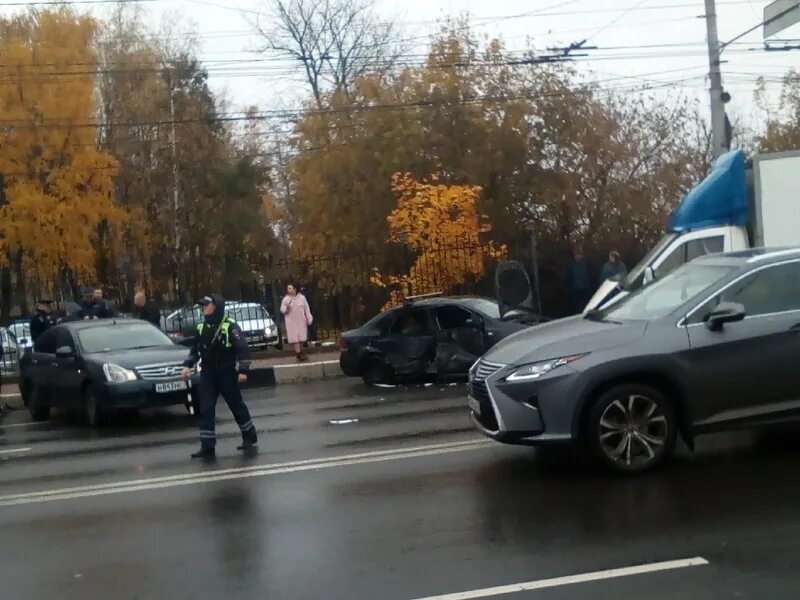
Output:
[[735, 207]]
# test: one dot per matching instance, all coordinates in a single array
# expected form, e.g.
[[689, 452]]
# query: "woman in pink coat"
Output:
[[297, 316]]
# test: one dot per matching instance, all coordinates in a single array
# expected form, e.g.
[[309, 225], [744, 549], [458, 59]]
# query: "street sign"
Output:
[[779, 15]]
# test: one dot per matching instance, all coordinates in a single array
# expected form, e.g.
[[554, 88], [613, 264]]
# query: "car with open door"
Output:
[[427, 338], [101, 366]]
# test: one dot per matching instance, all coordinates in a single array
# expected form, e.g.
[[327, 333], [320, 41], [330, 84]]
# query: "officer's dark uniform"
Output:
[[218, 344], [41, 321]]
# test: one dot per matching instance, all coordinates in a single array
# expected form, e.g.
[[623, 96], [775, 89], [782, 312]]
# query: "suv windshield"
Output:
[[121, 337], [635, 278], [665, 295]]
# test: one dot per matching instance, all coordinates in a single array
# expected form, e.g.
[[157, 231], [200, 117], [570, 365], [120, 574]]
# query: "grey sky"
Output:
[[640, 42]]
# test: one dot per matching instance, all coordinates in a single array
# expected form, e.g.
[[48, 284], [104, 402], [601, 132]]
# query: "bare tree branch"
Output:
[[337, 41]]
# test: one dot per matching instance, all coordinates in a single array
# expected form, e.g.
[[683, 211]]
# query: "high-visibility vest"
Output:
[[224, 329]]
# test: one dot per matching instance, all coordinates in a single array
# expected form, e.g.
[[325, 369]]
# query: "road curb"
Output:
[[258, 378]]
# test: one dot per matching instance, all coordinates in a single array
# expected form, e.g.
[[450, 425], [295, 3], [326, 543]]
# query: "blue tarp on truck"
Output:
[[720, 199]]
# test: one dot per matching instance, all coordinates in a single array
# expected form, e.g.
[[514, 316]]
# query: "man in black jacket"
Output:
[[219, 344], [93, 306], [146, 311], [43, 319]]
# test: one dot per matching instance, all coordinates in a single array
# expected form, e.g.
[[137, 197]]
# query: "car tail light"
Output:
[[343, 345]]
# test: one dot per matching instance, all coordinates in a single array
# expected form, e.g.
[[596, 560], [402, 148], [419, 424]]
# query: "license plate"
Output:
[[171, 386], [474, 405]]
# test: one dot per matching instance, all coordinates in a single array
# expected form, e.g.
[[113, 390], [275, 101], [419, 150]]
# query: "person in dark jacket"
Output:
[[100, 309], [43, 319], [86, 304], [146, 311], [613, 268], [220, 344], [578, 282], [93, 306]]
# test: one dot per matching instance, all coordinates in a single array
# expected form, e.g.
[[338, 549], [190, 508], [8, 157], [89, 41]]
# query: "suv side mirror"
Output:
[[724, 312], [65, 352]]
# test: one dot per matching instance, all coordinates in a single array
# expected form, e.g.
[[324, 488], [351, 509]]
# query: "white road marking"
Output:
[[240, 473], [668, 565], [15, 450]]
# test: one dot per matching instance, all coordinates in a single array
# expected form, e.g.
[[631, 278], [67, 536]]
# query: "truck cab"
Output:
[[713, 217]]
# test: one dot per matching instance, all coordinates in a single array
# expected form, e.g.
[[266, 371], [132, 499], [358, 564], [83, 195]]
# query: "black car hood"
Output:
[[131, 359], [574, 335]]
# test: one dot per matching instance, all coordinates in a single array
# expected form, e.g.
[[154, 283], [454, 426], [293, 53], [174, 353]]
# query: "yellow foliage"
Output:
[[58, 186], [442, 225]]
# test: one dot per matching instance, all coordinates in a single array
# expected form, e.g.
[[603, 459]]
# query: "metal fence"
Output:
[[343, 288]]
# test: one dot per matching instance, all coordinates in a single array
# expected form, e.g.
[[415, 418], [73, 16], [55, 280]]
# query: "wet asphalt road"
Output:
[[405, 503]]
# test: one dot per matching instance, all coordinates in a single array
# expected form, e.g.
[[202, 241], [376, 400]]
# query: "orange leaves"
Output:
[[442, 225], [428, 213], [58, 185]]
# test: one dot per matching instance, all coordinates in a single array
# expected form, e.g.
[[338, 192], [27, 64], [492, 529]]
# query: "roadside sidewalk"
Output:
[[265, 372]]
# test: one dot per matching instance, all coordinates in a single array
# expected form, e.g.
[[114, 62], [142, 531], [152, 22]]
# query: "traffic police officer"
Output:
[[43, 319], [219, 343]]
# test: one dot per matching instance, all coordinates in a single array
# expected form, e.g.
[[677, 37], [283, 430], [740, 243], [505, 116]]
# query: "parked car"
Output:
[[22, 332], [711, 346], [11, 351], [100, 366], [426, 338], [256, 323]]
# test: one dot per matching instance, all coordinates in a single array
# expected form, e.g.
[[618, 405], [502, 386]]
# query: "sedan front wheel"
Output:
[[632, 428], [91, 407]]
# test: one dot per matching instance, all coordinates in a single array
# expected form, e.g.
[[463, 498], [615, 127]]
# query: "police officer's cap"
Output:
[[206, 300]]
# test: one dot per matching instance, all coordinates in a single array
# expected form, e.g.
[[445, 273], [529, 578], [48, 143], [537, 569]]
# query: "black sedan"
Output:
[[99, 366], [427, 338]]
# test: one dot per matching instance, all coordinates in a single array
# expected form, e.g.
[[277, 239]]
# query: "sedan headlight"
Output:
[[537, 369], [116, 374]]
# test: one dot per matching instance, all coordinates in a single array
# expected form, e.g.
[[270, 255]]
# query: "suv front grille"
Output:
[[479, 391], [161, 372]]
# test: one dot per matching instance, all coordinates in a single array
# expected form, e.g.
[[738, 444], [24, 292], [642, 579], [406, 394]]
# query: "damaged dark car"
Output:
[[427, 339]]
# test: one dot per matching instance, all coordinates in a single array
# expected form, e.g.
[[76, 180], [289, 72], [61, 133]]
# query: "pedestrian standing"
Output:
[[613, 268], [86, 304], [43, 319], [146, 311], [297, 316], [219, 345], [100, 309], [578, 282]]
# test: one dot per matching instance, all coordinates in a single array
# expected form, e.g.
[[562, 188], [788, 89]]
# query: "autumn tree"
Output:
[[442, 226], [195, 183], [57, 185], [552, 153], [782, 129]]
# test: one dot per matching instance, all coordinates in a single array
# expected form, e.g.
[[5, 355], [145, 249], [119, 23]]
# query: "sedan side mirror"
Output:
[[65, 352], [649, 275], [724, 312], [474, 324]]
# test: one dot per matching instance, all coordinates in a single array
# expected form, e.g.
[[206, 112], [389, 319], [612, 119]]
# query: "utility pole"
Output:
[[718, 121], [176, 224]]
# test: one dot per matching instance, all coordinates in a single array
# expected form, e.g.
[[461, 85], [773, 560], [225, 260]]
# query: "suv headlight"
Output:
[[116, 374], [537, 369]]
